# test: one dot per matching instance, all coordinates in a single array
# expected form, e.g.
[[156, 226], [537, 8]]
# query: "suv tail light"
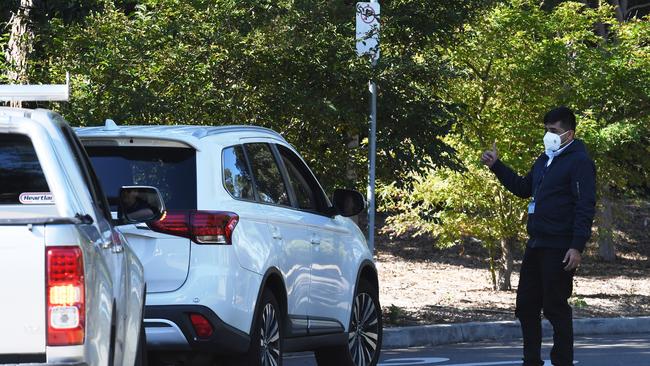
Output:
[[201, 325], [65, 296], [202, 227]]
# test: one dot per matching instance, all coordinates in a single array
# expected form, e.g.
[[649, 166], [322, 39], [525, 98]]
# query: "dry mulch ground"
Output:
[[421, 284]]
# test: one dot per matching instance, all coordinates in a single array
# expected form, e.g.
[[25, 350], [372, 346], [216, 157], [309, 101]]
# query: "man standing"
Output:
[[561, 188]]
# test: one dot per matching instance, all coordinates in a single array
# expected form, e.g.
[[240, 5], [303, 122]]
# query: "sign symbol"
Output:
[[367, 13]]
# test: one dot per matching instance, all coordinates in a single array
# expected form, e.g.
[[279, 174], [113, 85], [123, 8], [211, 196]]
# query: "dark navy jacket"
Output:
[[564, 194]]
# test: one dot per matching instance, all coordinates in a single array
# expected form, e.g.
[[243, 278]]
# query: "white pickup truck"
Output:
[[71, 290]]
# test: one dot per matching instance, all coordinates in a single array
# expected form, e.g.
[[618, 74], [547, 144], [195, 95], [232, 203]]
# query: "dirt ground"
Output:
[[424, 285]]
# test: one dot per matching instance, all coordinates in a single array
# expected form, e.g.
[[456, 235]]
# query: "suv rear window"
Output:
[[20, 170], [170, 169]]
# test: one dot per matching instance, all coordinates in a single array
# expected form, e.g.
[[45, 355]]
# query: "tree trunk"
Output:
[[621, 9], [505, 264], [606, 249], [20, 44], [493, 274]]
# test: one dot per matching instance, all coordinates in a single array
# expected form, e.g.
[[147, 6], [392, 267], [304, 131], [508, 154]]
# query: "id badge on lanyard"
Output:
[[531, 205]]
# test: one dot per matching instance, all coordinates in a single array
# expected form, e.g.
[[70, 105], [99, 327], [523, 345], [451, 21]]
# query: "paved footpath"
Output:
[[597, 350], [438, 334]]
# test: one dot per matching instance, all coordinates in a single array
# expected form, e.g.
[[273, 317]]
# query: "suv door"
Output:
[[286, 231], [329, 283]]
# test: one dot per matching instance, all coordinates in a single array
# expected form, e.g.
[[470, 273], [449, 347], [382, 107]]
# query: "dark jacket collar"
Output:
[[576, 146]]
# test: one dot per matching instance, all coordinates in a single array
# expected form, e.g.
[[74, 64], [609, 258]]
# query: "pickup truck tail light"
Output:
[[66, 300], [202, 227]]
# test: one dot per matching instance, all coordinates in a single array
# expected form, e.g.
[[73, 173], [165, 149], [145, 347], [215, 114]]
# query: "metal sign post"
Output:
[[367, 22], [371, 162]]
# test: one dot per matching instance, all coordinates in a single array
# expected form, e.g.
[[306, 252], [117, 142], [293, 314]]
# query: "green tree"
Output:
[[23, 43], [288, 65], [510, 67]]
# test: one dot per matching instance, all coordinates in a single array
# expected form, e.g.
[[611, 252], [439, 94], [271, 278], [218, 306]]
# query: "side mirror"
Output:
[[140, 204], [347, 202]]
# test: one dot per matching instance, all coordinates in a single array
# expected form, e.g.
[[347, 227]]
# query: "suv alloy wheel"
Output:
[[266, 340], [364, 334]]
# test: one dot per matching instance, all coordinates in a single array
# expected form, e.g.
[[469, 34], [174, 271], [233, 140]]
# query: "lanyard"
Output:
[[541, 179]]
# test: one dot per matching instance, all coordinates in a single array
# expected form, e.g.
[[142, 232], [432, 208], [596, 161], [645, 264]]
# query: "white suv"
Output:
[[251, 257]]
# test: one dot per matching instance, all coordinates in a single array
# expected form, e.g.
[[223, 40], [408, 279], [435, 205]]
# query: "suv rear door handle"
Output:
[[275, 232]]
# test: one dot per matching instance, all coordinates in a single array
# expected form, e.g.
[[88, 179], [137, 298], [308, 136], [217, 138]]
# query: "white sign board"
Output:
[[368, 30]]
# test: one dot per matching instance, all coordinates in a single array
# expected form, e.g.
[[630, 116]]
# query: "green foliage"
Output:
[[4, 38], [452, 205], [510, 67], [289, 65], [395, 314], [578, 302]]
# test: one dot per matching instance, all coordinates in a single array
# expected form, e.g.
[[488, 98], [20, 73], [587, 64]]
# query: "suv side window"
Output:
[[268, 179], [304, 194], [309, 195], [236, 176]]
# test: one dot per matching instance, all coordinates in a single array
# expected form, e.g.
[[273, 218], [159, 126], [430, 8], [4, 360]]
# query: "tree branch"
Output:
[[636, 7]]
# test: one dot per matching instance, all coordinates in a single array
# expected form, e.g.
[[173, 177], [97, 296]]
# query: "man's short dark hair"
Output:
[[562, 114]]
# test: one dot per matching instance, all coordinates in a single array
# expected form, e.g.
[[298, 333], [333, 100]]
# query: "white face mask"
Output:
[[553, 141]]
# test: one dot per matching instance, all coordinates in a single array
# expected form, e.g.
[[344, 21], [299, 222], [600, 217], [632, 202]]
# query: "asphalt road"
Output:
[[615, 350]]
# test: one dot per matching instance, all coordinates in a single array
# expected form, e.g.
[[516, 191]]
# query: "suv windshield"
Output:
[[21, 175], [170, 169]]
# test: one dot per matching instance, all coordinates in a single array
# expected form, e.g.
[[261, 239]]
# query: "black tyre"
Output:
[[111, 347], [141, 357], [365, 333], [266, 337]]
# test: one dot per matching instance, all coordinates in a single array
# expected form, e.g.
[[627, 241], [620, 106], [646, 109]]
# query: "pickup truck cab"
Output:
[[72, 290]]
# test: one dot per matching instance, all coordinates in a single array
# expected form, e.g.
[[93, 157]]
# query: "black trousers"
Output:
[[545, 285]]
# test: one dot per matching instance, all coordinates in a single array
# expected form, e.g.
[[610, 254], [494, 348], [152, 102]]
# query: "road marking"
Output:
[[412, 361], [432, 360], [546, 363], [491, 363]]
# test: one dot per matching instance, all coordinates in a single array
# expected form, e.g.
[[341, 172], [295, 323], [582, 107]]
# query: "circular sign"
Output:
[[367, 14]]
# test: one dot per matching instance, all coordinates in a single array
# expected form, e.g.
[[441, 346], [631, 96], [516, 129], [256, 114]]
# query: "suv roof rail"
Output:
[[36, 93]]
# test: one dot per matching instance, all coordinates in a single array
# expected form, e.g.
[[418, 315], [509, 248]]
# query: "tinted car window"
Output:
[[170, 169], [269, 182], [237, 178], [20, 170], [304, 194], [307, 190]]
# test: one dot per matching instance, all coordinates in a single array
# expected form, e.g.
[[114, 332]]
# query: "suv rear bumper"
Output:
[[34, 360], [169, 327], [55, 364]]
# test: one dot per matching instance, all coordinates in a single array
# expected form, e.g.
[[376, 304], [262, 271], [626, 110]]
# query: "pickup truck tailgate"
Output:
[[22, 289]]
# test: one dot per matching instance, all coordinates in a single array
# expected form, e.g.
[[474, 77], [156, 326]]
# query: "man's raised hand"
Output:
[[489, 157]]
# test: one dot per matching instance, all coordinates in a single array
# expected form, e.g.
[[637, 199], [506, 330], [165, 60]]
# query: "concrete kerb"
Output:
[[432, 335]]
